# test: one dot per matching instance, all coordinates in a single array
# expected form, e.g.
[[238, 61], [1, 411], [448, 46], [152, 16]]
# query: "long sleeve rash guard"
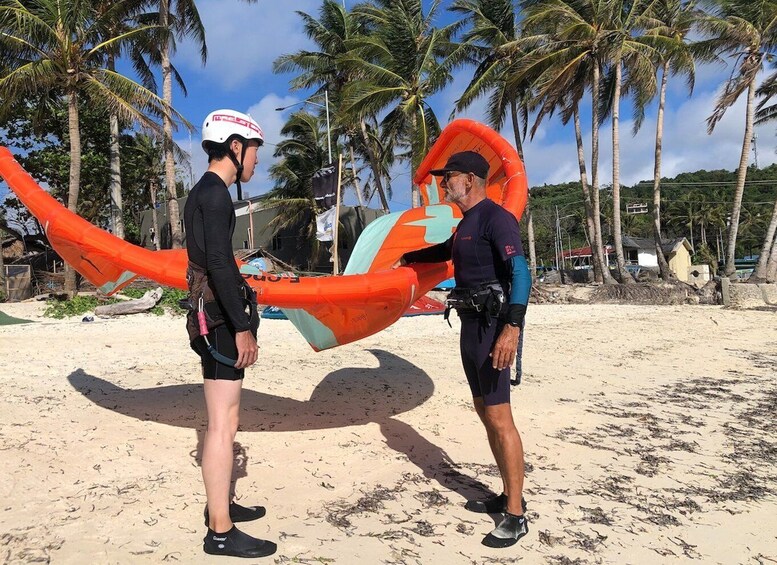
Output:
[[209, 218]]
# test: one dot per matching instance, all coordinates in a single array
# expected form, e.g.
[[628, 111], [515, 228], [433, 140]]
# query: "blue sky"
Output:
[[244, 40]]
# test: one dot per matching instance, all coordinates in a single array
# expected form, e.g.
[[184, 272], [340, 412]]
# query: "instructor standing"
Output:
[[491, 295], [223, 323]]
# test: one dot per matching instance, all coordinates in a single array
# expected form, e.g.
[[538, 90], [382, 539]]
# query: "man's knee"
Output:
[[499, 419], [226, 426]]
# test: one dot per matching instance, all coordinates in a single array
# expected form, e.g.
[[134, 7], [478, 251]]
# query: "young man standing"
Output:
[[491, 295], [224, 321]]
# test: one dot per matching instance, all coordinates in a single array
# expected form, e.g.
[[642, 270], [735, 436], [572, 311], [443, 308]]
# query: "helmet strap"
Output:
[[239, 167]]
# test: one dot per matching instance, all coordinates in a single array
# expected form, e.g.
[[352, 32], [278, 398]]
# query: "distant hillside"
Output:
[[694, 205]]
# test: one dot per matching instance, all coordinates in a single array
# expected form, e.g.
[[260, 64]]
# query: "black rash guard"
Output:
[[209, 219], [485, 248], [485, 240]]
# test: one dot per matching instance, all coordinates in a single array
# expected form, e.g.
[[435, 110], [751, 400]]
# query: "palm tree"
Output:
[[117, 25], [182, 19], [669, 23], [322, 69], [634, 56], [492, 26], [747, 31], [566, 45], [400, 61], [302, 153], [767, 260], [146, 152], [62, 47]]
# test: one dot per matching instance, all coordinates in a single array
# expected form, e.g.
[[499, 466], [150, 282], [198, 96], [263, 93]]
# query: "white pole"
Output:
[[328, 130], [335, 227]]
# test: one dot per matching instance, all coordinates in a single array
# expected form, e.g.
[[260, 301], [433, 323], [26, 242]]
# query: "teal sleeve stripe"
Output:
[[521, 284]]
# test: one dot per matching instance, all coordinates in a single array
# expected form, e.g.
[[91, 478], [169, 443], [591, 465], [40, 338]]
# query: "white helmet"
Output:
[[220, 125]]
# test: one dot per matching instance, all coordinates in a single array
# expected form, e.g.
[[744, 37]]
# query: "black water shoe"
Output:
[[508, 532], [493, 505], [239, 513], [237, 544]]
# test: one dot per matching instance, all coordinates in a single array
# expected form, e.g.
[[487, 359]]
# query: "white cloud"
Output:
[[686, 146], [243, 40]]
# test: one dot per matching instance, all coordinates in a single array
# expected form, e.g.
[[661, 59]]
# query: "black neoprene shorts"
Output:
[[223, 340], [476, 343]]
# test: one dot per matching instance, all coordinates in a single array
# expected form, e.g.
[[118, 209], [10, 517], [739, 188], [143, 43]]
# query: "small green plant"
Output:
[[170, 299], [168, 302], [68, 308]]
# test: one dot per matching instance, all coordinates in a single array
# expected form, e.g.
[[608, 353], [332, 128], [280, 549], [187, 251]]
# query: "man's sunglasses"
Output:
[[448, 175]]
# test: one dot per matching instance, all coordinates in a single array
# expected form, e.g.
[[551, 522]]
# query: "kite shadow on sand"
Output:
[[345, 397]]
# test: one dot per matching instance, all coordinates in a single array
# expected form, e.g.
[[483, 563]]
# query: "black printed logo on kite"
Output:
[[271, 278]]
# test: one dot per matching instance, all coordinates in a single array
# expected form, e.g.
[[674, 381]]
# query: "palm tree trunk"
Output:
[[415, 195], [596, 252], [173, 213], [736, 208], [596, 209], [771, 266], [374, 165], [527, 212], [763, 260], [75, 179], [625, 276], [355, 180], [3, 290], [117, 205], [153, 189], [663, 266]]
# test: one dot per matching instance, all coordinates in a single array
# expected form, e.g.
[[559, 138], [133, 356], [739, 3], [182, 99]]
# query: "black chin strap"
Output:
[[239, 167]]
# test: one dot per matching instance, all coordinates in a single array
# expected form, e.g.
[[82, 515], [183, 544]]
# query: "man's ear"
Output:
[[236, 146]]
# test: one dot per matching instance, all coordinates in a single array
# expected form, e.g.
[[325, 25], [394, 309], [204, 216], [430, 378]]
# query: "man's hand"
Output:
[[247, 349], [505, 348], [399, 263]]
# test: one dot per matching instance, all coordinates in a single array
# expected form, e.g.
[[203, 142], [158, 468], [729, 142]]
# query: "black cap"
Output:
[[465, 162]]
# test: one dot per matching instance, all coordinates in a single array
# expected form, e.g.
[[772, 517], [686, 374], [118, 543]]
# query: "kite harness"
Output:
[[205, 313]]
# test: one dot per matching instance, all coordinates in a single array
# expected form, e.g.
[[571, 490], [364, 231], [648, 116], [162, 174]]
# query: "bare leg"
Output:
[[480, 408], [222, 400], [508, 452]]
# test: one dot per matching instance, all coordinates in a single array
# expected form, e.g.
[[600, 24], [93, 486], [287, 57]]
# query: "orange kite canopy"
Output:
[[328, 311]]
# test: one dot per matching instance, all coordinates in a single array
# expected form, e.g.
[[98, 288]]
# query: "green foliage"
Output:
[[691, 203], [74, 307], [82, 304], [168, 302]]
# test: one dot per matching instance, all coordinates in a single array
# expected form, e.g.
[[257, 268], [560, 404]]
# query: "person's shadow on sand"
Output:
[[346, 397]]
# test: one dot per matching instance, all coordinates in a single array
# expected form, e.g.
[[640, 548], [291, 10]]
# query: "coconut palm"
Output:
[[146, 153], [567, 44], [400, 61], [746, 31], [322, 70], [626, 53], [302, 153], [182, 19], [135, 49], [668, 24], [492, 25], [767, 260], [62, 47]]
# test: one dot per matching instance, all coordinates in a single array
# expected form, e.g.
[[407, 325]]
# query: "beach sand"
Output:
[[649, 436]]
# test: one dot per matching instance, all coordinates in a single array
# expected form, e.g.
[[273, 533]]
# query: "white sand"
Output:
[[649, 435]]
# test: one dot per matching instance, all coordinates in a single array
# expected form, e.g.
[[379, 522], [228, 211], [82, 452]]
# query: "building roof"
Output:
[[667, 246]]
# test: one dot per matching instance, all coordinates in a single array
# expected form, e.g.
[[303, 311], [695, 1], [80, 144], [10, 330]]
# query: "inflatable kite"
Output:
[[330, 310]]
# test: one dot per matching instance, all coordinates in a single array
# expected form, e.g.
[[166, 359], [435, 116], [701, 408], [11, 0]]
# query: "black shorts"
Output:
[[222, 339], [476, 343]]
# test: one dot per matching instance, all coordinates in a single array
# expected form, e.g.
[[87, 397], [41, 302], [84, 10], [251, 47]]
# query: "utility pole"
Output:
[[755, 149]]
